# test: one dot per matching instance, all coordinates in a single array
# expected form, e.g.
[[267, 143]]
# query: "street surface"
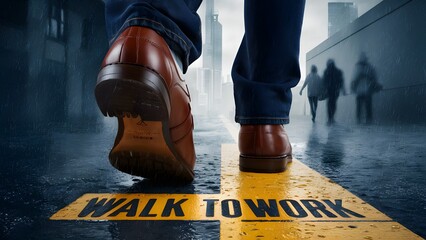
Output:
[[42, 172]]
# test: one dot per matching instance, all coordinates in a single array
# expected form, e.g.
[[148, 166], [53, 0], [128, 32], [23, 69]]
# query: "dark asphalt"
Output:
[[43, 172], [383, 165]]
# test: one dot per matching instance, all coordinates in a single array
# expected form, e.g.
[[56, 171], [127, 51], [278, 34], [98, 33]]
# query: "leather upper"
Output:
[[144, 47], [264, 141]]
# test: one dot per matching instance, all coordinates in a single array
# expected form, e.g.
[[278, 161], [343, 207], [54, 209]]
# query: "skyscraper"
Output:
[[340, 14], [212, 55]]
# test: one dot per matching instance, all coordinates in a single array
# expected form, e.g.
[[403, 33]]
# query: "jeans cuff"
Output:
[[261, 120]]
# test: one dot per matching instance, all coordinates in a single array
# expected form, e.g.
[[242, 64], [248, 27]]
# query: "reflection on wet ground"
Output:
[[43, 172], [384, 165]]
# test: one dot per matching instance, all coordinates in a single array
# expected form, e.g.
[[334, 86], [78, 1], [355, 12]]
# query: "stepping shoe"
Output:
[[140, 84], [264, 148]]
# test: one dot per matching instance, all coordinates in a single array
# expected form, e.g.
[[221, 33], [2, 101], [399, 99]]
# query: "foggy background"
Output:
[[53, 49], [314, 29], [54, 141], [211, 84]]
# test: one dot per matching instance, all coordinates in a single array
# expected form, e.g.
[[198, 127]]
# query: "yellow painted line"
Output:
[[297, 204], [300, 184]]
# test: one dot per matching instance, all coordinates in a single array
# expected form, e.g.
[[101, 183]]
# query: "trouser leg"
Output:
[[315, 105], [175, 20], [369, 108], [331, 107], [267, 63], [359, 103]]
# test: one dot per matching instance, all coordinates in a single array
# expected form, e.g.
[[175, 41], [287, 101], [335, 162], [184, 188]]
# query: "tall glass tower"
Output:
[[212, 56]]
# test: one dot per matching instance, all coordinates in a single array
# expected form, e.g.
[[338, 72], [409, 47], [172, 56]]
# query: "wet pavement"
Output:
[[44, 172], [383, 165]]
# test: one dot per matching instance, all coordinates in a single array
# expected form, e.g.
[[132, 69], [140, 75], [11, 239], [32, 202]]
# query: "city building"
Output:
[[392, 38], [340, 14], [198, 80], [212, 56], [50, 53]]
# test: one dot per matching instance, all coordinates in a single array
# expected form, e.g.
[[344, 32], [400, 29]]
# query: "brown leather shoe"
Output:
[[140, 84], [264, 148]]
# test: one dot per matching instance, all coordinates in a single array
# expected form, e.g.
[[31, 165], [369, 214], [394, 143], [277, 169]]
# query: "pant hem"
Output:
[[261, 121]]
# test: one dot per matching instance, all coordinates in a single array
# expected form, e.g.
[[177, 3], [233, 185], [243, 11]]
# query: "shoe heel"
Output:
[[141, 149], [258, 164], [138, 97], [127, 90]]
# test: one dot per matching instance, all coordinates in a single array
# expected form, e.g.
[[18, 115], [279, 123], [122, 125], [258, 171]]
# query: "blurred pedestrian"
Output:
[[364, 84], [333, 83], [313, 81]]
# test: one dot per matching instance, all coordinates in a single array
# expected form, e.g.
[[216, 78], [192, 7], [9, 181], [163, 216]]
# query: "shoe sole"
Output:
[[139, 99], [258, 164]]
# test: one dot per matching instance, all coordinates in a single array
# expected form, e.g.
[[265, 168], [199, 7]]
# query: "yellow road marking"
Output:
[[299, 183], [297, 204]]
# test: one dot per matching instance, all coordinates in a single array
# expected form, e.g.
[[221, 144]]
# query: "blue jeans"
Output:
[[267, 63]]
